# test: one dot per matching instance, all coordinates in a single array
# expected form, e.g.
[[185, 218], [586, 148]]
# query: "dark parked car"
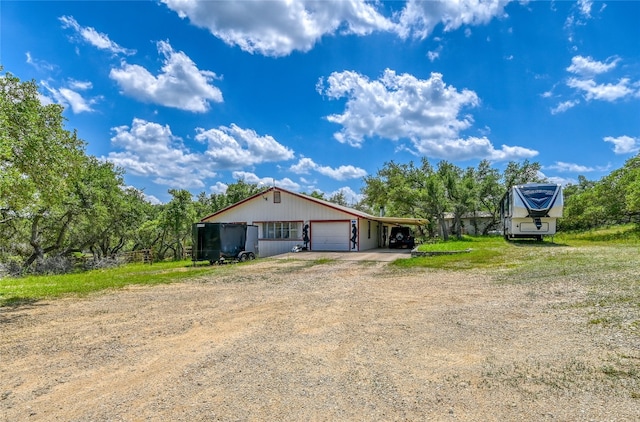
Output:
[[401, 237]]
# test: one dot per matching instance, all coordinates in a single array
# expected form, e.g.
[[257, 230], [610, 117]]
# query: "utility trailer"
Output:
[[222, 242], [531, 210]]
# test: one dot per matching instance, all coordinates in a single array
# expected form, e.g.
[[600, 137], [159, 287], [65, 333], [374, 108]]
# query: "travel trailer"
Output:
[[531, 210]]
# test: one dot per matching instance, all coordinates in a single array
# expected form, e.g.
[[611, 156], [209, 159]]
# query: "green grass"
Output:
[[485, 252], [551, 256], [16, 291], [605, 260]]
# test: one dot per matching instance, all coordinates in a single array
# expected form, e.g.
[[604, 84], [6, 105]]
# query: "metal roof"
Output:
[[354, 212]]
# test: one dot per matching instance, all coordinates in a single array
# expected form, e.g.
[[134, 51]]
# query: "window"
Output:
[[280, 230], [276, 196]]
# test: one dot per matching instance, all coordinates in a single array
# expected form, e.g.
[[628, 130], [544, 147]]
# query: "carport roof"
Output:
[[401, 220]]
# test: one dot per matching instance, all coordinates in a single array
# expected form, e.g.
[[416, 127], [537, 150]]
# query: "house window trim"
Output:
[[281, 230]]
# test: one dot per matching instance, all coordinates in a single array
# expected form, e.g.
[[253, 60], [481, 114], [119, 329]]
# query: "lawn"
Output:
[[606, 257], [14, 291]]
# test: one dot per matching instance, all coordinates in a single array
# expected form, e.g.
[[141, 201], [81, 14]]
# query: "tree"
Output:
[[54, 198], [176, 220], [40, 163], [517, 174], [489, 192]]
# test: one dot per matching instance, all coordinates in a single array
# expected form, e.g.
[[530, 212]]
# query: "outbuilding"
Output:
[[287, 219]]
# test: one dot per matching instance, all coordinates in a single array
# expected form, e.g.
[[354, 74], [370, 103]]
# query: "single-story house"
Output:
[[287, 219]]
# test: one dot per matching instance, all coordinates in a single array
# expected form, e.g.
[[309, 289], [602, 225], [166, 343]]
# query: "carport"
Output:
[[386, 222]]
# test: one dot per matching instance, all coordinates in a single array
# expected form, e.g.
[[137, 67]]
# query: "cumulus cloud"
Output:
[[604, 91], [219, 188], [93, 37], [418, 18], [564, 106], [624, 144], [587, 66], [573, 168], [249, 177], [426, 112], [306, 165], [70, 96], [586, 81], [179, 85], [152, 150], [350, 196], [278, 27], [233, 147]]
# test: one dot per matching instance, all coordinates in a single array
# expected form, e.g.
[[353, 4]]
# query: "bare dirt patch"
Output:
[[304, 340]]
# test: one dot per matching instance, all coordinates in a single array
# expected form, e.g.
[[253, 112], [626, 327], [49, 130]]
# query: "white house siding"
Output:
[[294, 208], [276, 247], [369, 234]]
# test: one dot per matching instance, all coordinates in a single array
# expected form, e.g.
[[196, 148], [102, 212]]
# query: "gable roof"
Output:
[[321, 202]]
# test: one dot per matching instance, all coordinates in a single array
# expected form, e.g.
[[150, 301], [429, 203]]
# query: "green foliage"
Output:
[[409, 191], [56, 200], [614, 199]]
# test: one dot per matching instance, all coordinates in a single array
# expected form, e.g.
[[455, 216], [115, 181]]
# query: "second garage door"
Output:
[[331, 236]]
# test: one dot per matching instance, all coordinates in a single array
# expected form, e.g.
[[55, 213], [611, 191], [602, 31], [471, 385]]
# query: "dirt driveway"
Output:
[[300, 340], [376, 255]]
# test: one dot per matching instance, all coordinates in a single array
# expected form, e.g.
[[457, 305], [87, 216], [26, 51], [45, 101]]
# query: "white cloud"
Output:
[[564, 106], [278, 27], [219, 188], [564, 181], [585, 7], [418, 18], [306, 165], [349, 195], [249, 177], [426, 112], [151, 150], [234, 147], [68, 97], [93, 37], [180, 84], [40, 65], [605, 92], [572, 168], [152, 199], [586, 66], [624, 144]]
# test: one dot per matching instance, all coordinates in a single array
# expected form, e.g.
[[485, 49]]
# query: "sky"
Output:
[[317, 95]]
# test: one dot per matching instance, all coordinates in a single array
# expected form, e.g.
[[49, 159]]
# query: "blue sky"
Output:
[[315, 95]]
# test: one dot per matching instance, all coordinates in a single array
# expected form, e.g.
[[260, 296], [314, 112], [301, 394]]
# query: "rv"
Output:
[[531, 210], [222, 242]]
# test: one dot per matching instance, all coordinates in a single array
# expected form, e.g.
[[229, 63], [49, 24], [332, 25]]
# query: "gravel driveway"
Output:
[[299, 340]]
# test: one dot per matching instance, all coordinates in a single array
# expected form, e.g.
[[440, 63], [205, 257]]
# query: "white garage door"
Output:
[[333, 236]]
